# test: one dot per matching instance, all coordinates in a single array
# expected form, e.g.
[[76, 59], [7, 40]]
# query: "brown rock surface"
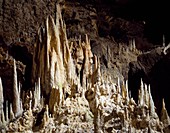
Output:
[[95, 98]]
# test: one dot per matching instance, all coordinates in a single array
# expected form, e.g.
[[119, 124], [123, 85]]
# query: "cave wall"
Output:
[[19, 20]]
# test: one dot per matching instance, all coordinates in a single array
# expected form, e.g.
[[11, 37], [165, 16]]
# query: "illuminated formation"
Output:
[[71, 95]]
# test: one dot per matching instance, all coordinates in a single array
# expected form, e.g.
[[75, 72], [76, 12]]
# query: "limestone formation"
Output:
[[17, 103], [1, 96], [71, 94]]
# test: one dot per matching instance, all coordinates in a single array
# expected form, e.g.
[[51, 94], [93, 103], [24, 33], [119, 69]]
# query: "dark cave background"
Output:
[[155, 14]]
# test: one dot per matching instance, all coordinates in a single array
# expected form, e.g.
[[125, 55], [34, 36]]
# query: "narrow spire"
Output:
[[134, 45], [16, 101], [3, 118], [141, 94], [152, 106], [164, 115], [1, 96], [146, 96], [118, 83], [38, 91], [163, 41], [11, 112], [127, 91], [7, 114], [123, 91]]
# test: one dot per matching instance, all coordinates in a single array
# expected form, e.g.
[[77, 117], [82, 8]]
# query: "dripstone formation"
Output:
[[70, 93]]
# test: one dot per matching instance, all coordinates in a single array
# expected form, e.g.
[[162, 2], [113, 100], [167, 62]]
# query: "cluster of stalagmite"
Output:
[[12, 110], [71, 95]]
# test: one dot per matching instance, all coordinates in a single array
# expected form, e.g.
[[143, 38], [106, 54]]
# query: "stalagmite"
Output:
[[151, 105], [37, 94], [1, 97], [11, 112], [7, 114], [96, 73], [72, 89], [3, 121], [16, 101], [141, 94], [164, 115], [87, 61], [134, 45], [163, 41], [118, 86], [67, 58], [123, 92], [146, 96], [46, 116], [127, 92]]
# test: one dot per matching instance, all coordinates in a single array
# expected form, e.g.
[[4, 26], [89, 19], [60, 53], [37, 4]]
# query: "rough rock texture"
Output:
[[20, 22], [66, 100], [20, 19], [73, 76]]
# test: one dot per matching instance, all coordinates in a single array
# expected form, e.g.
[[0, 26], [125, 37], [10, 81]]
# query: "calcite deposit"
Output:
[[70, 93]]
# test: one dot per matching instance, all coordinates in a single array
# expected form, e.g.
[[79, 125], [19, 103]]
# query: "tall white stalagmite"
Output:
[[151, 105], [37, 94], [2, 120], [7, 114], [39, 90], [134, 45], [163, 41], [146, 96], [1, 102], [118, 84], [1, 96], [16, 95], [141, 94], [127, 92]]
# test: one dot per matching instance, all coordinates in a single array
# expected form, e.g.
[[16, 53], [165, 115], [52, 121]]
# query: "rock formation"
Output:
[[71, 94], [150, 66]]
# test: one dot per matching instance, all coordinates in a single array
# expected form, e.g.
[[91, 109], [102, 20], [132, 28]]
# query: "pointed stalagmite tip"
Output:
[[1, 94], [163, 104], [164, 115]]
